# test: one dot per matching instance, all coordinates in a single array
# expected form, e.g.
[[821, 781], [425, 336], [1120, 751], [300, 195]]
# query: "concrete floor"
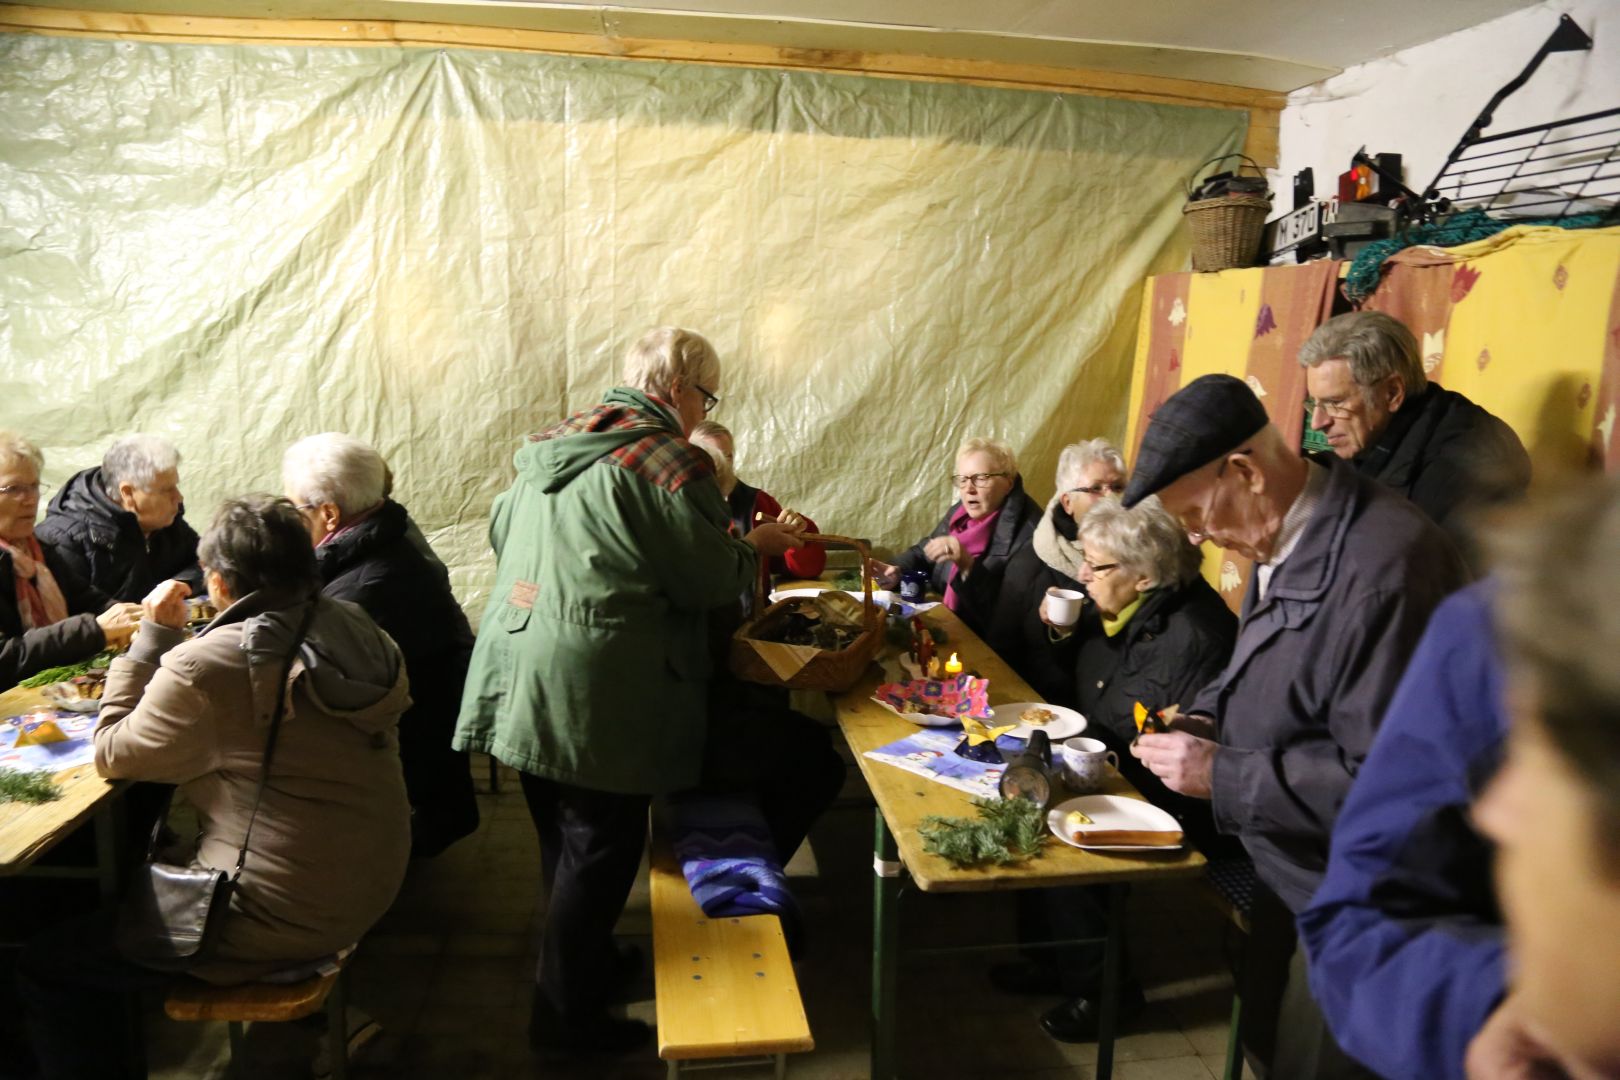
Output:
[[447, 974]]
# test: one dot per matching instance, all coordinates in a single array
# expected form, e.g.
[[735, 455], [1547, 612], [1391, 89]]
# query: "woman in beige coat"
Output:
[[329, 848]]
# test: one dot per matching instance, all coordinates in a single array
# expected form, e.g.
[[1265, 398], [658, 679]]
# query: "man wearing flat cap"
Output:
[[1346, 574]]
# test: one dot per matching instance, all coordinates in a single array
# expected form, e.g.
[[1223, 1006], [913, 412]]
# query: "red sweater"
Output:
[[750, 506]]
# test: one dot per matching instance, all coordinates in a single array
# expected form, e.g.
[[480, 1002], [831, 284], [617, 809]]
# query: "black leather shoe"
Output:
[[1027, 977], [1075, 1021]]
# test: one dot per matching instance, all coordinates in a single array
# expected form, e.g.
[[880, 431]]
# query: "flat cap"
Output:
[[1206, 418]]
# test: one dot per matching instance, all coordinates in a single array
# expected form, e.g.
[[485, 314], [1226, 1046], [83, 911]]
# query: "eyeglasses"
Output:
[[1117, 487], [1099, 569], [709, 400], [976, 480], [21, 491], [1197, 536], [1334, 408]]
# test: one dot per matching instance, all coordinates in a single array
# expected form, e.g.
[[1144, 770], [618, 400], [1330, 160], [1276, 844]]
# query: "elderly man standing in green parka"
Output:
[[591, 669]]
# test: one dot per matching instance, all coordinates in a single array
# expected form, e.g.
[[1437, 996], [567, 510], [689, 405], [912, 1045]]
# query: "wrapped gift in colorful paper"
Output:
[[936, 701]]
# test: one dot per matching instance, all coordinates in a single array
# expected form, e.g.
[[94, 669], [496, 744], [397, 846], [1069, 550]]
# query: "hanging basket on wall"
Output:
[[1227, 215]]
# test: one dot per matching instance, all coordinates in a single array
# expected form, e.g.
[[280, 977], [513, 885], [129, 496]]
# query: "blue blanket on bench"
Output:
[[724, 847]]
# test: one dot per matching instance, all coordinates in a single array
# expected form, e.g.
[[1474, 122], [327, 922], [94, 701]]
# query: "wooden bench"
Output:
[[725, 987], [193, 999]]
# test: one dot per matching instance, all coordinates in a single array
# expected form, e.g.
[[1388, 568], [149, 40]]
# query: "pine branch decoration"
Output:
[[1006, 831], [28, 787]]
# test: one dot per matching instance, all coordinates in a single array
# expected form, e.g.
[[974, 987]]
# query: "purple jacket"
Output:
[[1404, 938]]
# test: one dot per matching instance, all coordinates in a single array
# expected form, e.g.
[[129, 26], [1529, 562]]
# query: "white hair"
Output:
[[335, 468], [1144, 539], [14, 448], [136, 460], [1076, 458], [707, 436], [999, 453], [669, 353]]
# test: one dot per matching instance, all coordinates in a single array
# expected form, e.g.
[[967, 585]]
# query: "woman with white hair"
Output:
[[48, 614], [749, 505], [968, 551], [121, 526], [1044, 655], [370, 552], [1163, 633], [592, 667]]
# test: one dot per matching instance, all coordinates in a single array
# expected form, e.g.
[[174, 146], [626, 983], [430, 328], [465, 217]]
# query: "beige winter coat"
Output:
[[329, 849]]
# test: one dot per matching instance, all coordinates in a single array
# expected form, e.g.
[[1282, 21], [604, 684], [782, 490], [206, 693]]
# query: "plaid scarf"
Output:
[[662, 457], [39, 600]]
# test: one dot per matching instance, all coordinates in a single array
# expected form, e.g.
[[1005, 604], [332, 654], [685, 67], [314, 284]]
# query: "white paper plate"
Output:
[[1113, 812], [922, 719], [1067, 725]]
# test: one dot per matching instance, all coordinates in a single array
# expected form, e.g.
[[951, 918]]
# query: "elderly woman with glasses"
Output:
[[371, 553], [1163, 633], [48, 614], [1044, 655], [967, 553]]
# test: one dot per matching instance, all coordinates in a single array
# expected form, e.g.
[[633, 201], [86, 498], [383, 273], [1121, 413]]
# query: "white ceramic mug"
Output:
[[1085, 764], [1063, 606]]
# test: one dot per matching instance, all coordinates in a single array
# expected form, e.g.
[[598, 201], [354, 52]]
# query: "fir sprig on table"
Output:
[[28, 787], [65, 672], [1006, 831]]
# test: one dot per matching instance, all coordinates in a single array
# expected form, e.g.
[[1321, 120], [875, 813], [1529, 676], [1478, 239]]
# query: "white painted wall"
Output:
[[1419, 101]]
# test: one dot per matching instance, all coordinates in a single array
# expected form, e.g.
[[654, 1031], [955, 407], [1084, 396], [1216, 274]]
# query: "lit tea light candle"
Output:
[[953, 666]]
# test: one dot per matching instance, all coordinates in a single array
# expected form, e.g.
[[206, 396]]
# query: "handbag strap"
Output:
[[282, 693]]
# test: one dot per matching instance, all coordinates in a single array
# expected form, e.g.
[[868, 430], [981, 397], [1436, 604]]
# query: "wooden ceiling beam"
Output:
[[1263, 106]]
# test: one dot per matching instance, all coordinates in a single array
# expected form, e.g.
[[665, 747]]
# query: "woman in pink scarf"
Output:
[[967, 553], [47, 615]]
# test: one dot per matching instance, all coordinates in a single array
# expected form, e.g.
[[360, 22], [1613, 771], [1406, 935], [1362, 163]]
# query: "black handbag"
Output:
[[171, 915]]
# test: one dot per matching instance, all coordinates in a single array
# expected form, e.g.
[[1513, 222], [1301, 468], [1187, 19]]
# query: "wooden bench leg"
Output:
[[781, 1066], [672, 1071]]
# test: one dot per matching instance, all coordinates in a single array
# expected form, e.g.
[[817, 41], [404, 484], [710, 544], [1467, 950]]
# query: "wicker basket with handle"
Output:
[[1226, 229], [805, 667]]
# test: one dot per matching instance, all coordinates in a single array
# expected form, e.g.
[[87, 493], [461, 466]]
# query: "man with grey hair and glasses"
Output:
[[121, 525], [1371, 399]]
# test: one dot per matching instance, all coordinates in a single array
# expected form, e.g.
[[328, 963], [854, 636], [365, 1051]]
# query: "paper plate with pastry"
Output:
[[1032, 716], [1114, 823]]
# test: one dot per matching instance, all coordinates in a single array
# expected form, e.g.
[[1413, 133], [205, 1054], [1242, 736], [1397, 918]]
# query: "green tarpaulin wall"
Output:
[[439, 251]]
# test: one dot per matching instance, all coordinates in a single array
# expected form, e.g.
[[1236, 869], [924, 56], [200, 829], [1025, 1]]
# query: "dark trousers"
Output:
[[757, 746], [1305, 1047], [1065, 914], [438, 781], [82, 1000], [591, 844]]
